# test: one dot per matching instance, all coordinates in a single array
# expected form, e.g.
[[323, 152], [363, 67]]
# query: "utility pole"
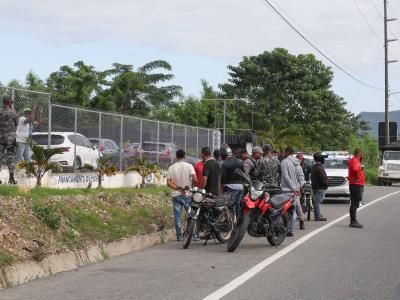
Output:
[[387, 62]]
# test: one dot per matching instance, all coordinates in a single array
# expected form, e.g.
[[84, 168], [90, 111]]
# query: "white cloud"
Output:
[[230, 28]]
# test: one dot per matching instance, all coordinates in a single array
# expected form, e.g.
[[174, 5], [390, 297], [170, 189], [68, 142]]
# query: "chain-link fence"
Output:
[[84, 134], [88, 133], [36, 101]]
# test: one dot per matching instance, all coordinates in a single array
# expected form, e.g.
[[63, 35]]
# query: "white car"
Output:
[[85, 152], [337, 170]]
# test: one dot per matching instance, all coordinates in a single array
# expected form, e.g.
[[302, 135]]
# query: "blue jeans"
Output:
[[292, 217], [23, 152], [179, 202], [238, 198], [317, 200]]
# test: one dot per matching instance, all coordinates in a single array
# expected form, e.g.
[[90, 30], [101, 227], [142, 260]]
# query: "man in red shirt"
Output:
[[198, 168], [357, 182]]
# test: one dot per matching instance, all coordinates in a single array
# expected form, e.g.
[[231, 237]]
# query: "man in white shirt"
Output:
[[180, 175], [24, 122]]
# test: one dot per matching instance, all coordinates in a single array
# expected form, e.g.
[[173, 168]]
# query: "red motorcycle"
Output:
[[262, 215]]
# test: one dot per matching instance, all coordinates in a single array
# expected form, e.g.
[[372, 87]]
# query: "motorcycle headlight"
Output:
[[254, 194], [197, 197]]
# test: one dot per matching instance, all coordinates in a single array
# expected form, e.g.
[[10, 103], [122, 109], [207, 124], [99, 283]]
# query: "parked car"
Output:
[[105, 146], [108, 148], [166, 152], [85, 152]]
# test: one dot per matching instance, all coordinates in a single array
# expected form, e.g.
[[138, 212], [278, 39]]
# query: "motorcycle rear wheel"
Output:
[[238, 232], [188, 233], [227, 217], [278, 239]]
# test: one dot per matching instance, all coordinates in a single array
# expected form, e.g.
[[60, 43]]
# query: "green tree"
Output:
[[34, 83], [292, 90], [138, 92], [76, 85], [280, 137]]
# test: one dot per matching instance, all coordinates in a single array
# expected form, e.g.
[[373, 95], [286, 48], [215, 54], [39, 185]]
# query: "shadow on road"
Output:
[[336, 201]]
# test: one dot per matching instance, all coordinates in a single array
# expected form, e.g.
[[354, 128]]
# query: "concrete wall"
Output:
[[82, 180]]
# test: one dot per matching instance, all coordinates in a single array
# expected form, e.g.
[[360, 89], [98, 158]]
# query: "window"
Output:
[[336, 164], [42, 139], [388, 155]]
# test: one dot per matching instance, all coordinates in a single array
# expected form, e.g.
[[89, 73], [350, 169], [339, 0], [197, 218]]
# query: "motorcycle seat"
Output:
[[277, 201], [222, 200]]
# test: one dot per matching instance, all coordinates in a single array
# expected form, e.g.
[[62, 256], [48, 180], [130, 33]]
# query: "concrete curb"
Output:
[[27, 271]]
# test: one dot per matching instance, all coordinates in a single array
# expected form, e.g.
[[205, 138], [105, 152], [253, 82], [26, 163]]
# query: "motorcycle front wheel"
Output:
[[238, 231], [188, 233], [279, 231], [225, 225]]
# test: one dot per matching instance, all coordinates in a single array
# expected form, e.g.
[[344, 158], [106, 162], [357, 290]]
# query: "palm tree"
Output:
[[40, 163], [280, 137], [144, 168], [104, 167]]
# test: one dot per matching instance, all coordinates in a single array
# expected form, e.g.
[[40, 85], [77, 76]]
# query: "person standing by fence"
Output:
[[8, 126], [23, 133], [357, 182], [180, 175]]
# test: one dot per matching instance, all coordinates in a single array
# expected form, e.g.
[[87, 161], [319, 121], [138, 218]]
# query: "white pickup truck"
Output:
[[389, 171]]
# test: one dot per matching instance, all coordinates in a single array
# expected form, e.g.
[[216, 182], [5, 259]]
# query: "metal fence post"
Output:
[[185, 137], [158, 140], [208, 138], [75, 130], [172, 142], [141, 138], [197, 143], [99, 132], [121, 143], [13, 95], [49, 126]]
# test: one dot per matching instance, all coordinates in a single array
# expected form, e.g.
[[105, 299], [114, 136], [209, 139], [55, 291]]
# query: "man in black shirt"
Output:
[[229, 180], [211, 172], [319, 181]]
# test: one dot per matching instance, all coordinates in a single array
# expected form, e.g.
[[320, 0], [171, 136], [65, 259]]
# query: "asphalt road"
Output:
[[336, 263]]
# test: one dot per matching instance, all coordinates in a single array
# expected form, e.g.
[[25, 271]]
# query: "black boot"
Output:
[[355, 225], [302, 225], [12, 180]]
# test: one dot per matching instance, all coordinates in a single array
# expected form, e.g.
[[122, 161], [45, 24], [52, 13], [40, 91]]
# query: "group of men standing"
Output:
[[14, 131], [284, 172]]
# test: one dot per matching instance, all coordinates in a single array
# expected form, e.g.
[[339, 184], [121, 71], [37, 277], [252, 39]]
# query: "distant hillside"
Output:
[[373, 118]]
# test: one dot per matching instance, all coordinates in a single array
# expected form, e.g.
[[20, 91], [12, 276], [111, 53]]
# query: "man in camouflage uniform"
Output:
[[8, 127], [267, 169]]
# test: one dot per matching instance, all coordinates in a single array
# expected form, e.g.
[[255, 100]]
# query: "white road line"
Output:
[[226, 289]]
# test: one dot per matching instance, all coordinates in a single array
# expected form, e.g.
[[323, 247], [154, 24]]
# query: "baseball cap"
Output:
[[257, 149]]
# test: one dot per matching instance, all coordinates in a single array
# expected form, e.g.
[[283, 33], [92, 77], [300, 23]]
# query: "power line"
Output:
[[366, 21], [318, 50]]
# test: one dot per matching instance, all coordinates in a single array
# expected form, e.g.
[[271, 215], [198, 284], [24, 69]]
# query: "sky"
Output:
[[200, 38]]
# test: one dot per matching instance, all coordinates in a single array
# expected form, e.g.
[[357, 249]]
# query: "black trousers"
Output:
[[356, 194]]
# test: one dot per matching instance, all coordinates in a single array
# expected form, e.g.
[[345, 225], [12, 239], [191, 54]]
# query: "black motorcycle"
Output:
[[209, 217]]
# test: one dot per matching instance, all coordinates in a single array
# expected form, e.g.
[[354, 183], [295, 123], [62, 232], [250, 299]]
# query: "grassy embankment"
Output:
[[76, 218]]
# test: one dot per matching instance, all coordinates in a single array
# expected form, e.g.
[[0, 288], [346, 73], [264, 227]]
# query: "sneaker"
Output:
[[355, 225], [196, 238], [361, 204], [289, 234], [320, 218], [179, 239]]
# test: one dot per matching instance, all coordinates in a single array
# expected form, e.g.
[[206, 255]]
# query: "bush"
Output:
[[371, 175], [46, 214]]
